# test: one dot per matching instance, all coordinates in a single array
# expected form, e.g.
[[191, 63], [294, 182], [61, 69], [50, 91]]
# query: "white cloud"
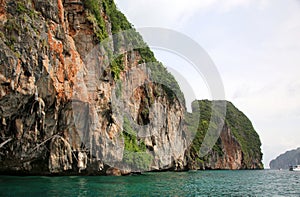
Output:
[[274, 111], [160, 12], [263, 4], [226, 6], [173, 13], [270, 92]]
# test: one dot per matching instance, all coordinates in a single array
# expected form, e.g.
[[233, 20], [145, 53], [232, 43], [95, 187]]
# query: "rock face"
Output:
[[79, 95], [231, 156], [68, 86], [289, 158], [238, 146]]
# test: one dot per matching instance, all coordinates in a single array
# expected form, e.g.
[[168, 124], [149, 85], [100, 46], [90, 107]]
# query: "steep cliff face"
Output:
[[287, 159], [238, 146], [70, 105], [78, 95]]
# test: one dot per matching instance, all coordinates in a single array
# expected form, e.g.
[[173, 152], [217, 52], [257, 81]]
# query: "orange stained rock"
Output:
[[55, 46], [61, 12], [2, 7]]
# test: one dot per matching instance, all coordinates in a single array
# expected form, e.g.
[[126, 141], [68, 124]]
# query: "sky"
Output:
[[255, 45]]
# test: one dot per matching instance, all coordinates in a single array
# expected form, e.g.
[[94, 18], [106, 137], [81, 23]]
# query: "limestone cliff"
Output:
[[80, 95], [238, 146], [77, 98]]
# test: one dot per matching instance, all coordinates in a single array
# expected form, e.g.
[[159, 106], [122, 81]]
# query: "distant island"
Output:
[[289, 158]]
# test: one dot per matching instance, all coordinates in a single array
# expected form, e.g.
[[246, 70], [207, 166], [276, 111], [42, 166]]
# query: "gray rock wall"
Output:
[[60, 107]]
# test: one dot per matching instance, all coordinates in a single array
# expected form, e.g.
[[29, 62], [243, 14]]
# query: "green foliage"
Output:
[[12, 30], [161, 76], [130, 139], [95, 17], [131, 143], [118, 22], [33, 14], [10, 43], [117, 18], [159, 73], [139, 161], [21, 8], [147, 55], [17, 55], [198, 123], [11, 26], [135, 154], [18, 26], [117, 66], [217, 148]]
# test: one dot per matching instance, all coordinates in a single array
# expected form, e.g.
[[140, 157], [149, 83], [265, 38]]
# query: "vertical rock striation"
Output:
[[64, 96]]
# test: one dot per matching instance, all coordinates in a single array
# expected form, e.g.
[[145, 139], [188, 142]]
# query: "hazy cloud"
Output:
[[170, 13]]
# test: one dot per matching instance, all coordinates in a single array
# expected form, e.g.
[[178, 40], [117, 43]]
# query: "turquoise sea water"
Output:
[[196, 183]]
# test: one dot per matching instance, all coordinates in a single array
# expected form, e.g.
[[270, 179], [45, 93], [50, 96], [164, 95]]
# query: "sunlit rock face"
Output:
[[70, 105]]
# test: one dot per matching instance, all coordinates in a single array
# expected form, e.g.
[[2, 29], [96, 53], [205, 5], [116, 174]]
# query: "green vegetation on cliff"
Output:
[[102, 10], [198, 123], [96, 18], [45, 40], [240, 126], [244, 132], [117, 18], [130, 140], [135, 154]]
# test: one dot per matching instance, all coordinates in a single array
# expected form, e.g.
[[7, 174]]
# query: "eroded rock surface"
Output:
[[63, 101]]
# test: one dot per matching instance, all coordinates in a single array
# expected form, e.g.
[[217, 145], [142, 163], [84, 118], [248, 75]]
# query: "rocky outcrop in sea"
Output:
[[287, 159]]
